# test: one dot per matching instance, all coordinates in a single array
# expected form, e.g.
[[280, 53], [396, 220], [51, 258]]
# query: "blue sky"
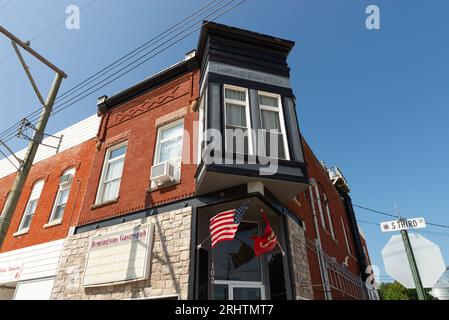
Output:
[[373, 102]]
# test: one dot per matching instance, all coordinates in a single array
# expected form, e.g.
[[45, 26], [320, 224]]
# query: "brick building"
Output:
[[48, 210], [166, 159]]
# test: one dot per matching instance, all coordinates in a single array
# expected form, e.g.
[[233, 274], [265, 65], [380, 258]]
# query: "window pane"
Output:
[[111, 190], [26, 221], [269, 101], [172, 132], [31, 207], [235, 94], [235, 115], [59, 211], [247, 294], [115, 170], [235, 260], [236, 140], [220, 292], [274, 145], [270, 120], [171, 149], [63, 196], [117, 152], [278, 290]]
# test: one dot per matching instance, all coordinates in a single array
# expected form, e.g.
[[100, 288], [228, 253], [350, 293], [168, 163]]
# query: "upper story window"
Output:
[[237, 120], [169, 145], [31, 206], [273, 125], [343, 226], [62, 196], [327, 209], [112, 173]]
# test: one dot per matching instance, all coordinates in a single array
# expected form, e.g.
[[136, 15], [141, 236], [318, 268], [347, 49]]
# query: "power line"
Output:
[[395, 216], [42, 33], [10, 132], [85, 93], [5, 5], [424, 231]]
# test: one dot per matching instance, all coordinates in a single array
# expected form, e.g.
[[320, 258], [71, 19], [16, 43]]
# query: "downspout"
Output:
[[323, 271]]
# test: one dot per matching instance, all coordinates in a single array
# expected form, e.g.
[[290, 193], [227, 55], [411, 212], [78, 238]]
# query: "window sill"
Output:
[[53, 224], [21, 233], [104, 204]]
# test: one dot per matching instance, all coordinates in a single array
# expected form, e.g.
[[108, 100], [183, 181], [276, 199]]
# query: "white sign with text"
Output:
[[10, 272], [403, 224], [120, 256]]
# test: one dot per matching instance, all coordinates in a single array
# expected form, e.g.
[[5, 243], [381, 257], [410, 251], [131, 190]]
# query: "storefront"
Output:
[[29, 273], [231, 271]]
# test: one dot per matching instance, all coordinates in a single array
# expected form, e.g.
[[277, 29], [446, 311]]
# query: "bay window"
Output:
[[273, 125], [112, 173]]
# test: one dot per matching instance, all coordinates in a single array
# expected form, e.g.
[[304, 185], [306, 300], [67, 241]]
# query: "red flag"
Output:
[[267, 242]]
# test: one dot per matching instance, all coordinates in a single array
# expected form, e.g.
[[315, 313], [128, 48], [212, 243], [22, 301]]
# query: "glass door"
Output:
[[237, 272]]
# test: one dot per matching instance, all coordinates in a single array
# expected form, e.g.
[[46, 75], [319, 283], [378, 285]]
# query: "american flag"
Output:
[[223, 226]]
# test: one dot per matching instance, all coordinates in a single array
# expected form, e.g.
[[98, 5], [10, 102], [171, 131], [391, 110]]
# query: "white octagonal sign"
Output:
[[427, 255]]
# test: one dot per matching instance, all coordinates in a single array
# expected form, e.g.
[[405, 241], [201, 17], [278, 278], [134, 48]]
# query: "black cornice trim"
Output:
[[151, 83]]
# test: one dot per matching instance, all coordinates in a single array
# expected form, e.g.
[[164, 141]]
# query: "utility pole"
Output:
[[412, 262], [27, 162]]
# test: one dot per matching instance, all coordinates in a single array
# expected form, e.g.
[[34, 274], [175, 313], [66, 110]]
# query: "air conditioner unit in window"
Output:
[[66, 179], [163, 173]]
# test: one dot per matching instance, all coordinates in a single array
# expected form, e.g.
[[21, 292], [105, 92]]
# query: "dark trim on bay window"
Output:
[[249, 84]]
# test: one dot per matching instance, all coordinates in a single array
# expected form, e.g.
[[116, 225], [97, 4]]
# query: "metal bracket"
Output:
[[22, 133], [20, 161]]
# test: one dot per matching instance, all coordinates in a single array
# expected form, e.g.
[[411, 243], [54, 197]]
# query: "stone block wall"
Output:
[[300, 263], [169, 268]]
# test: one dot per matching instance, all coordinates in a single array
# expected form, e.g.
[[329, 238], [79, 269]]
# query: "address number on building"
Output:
[[403, 224]]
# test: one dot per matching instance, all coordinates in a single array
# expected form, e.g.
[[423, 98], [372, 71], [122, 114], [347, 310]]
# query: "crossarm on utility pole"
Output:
[[16, 190], [26, 47]]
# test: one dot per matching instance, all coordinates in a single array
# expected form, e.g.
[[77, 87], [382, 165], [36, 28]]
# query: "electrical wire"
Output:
[[395, 216], [9, 133], [5, 5], [423, 231]]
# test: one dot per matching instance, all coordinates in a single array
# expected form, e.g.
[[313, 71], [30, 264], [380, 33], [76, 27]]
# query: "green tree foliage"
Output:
[[396, 291]]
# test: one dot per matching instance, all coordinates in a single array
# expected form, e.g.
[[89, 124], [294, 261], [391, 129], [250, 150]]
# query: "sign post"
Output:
[[415, 272], [403, 225]]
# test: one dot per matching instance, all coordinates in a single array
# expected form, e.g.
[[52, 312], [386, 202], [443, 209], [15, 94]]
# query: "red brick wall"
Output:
[[51, 170], [135, 122], [335, 248]]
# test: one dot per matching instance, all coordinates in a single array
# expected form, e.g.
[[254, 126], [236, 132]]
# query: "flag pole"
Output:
[[200, 245], [282, 251]]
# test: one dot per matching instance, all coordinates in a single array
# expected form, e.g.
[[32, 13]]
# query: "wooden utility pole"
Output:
[[22, 175]]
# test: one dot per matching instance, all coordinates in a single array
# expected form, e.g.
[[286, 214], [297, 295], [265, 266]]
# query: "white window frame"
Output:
[[348, 246], [30, 200], [202, 125], [62, 187], [159, 142], [279, 110], [329, 215], [106, 162], [247, 114]]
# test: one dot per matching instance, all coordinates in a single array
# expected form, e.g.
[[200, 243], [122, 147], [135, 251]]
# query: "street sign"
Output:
[[428, 258], [403, 224]]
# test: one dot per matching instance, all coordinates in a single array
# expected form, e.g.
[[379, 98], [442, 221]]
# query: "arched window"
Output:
[[65, 183], [31, 206]]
